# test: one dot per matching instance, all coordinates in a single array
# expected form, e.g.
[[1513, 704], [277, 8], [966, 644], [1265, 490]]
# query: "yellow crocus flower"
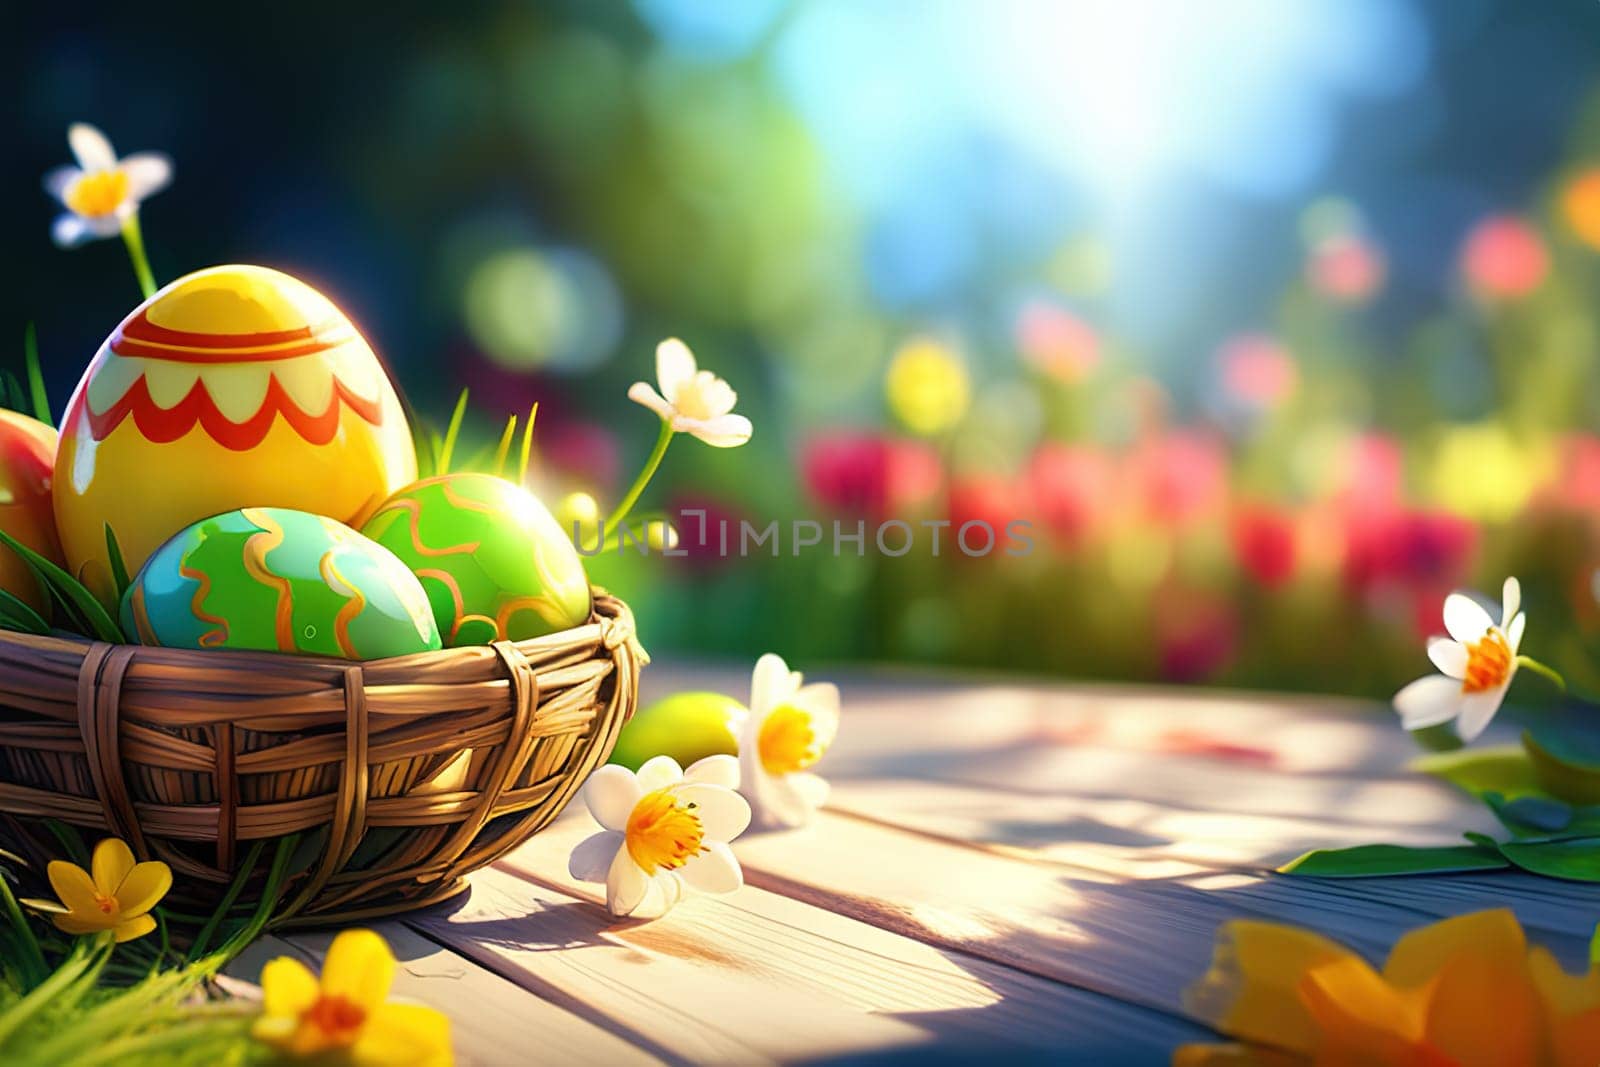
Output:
[[346, 1015], [115, 894], [1465, 990]]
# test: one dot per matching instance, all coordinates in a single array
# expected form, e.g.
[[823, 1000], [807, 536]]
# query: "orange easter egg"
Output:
[[27, 460], [232, 387]]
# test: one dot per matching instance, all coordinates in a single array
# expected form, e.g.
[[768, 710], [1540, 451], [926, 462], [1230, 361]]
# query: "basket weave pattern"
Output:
[[402, 775]]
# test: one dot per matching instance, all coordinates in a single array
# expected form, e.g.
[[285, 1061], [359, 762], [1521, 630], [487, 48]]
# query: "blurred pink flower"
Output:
[[1178, 477], [1071, 486], [1264, 538], [1578, 486], [869, 474], [1197, 634], [580, 453], [1057, 342], [1258, 371], [1371, 474], [1504, 258], [1347, 268]]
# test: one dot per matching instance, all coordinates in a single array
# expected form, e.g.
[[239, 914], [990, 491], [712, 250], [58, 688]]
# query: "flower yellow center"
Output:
[[107, 905], [787, 743], [97, 194], [1488, 663], [337, 1020], [662, 833], [702, 397]]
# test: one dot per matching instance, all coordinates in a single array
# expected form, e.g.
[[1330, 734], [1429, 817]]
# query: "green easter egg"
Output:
[[278, 580], [495, 564], [687, 727]]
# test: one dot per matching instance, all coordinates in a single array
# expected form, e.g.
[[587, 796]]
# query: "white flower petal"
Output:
[[90, 147], [715, 870], [1428, 702], [771, 684], [1510, 600], [626, 885], [723, 814], [641, 393], [717, 397], [1514, 631], [148, 173], [611, 793], [720, 770], [821, 700], [1449, 656], [662, 894], [675, 365], [58, 180], [591, 860], [812, 789], [70, 231], [1464, 618], [724, 431], [1477, 709], [659, 772], [781, 805]]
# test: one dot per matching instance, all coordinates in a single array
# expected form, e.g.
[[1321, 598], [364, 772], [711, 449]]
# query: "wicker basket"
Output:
[[401, 775]]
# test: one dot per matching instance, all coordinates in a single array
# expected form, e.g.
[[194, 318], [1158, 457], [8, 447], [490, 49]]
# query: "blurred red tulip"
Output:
[[1197, 635], [1264, 543], [1057, 342], [990, 499], [1070, 486], [1347, 268], [868, 474], [1504, 258], [1578, 487], [1258, 371], [1410, 549]]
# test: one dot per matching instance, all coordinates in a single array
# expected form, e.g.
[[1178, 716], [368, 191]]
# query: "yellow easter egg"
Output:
[[232, 387]]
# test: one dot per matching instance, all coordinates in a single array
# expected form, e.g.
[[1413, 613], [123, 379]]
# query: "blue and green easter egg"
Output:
[[278, 580], [494, 562]]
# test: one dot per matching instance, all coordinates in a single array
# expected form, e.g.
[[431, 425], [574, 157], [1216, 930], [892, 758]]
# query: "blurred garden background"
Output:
[[1276, 320]]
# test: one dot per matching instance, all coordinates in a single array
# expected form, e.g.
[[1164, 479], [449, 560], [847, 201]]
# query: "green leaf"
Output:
[[1506, 770], [1576, 859], [1530, 816], [119, 567], [1374, 861], [1565, 764], [452, 432], [1594, 947], [68, 590], [41, 398], [18, 614]]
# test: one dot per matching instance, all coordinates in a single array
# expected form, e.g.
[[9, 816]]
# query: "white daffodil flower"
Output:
[[102, 191], [666, 831], [790, 726], [692, 400], [1478, 661]]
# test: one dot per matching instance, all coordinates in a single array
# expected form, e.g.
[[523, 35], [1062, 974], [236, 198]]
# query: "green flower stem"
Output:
[[1549, 674], [650, 465], [133, 237]]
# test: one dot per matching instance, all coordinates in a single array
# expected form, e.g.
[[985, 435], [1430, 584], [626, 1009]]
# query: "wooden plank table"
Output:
[[1003, 868]]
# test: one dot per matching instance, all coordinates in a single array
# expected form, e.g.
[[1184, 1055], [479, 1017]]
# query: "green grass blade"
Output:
[[503, 449], [119, 567], [41, 398], [527, 445], [32, 963], [69, 589], [452, 432], [203, 938]]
